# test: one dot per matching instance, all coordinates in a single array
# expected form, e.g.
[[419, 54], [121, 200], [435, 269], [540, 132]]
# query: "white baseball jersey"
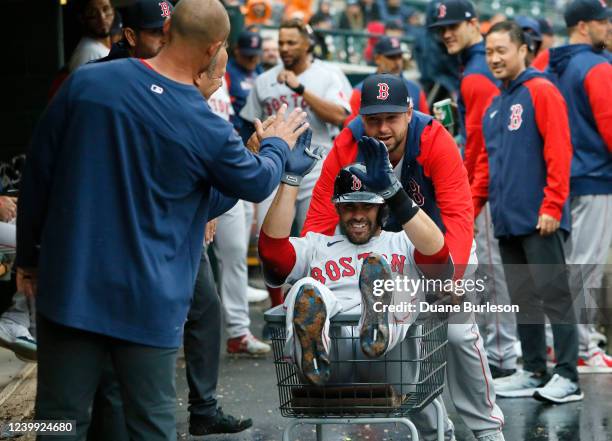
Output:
[[220, 102], [268, 95], [336, 262]]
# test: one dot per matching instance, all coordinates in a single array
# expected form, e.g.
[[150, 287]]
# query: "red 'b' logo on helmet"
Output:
[[165, 9], [603, 3], [383, 91], [441, 11], [356, 185]]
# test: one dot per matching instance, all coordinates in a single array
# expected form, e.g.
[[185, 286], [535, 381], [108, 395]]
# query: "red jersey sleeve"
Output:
[[476, 91], [598, 86], [277, 257], [480, 181], [442, 163], [322, 217], [480, 184], [423, 107], [553, 125]]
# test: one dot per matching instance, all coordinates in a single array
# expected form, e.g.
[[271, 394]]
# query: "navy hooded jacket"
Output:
[[584, 76], [524, 171]]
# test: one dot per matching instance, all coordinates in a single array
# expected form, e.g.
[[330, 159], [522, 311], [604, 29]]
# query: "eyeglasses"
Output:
[[92, 14]]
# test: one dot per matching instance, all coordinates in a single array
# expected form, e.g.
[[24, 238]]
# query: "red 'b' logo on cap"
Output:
[[442, 11], [165, 9], [383, 91], [356, 185]]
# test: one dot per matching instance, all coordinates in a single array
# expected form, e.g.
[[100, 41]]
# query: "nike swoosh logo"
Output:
[[492, 115], [329, 244]]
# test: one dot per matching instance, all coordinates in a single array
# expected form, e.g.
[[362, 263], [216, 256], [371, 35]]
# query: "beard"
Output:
[[371, 231], [598, 44]]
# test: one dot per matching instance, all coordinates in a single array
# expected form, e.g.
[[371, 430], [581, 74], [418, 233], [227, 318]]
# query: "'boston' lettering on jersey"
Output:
[[273, 104], [343, 267]]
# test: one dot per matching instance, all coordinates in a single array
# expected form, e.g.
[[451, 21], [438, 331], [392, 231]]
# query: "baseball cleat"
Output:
[[374, 330], [309, 321], [247, 345], [598, 362]]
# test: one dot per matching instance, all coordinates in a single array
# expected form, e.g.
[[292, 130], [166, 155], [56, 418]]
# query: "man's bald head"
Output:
[[200, 21]]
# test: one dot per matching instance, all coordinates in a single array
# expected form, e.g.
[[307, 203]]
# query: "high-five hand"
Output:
[[289, 130], [379, 175], [301, 160]]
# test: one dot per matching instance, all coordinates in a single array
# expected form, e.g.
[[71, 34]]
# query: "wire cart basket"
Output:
[[361, 390]]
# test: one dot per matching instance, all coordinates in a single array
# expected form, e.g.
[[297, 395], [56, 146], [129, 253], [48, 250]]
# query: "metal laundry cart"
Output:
[[364, 391]]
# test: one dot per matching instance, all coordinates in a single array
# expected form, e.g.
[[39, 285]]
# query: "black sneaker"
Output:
[[500, 372], [218, 423]]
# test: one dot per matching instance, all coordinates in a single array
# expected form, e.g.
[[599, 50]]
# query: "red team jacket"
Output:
[[440, 161], [475, 92]]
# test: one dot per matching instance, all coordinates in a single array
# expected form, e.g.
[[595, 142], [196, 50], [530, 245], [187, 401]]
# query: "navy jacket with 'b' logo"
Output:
[[524, 171]]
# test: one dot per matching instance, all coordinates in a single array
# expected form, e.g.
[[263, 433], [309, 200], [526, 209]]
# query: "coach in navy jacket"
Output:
[[527, 143]]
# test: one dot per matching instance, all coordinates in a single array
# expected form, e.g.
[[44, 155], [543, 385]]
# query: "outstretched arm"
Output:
[[278, 220], [277, 253], [422, 231]]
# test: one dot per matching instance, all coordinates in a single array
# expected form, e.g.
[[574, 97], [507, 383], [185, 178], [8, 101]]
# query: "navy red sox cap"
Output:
[[450, 12], [585, 10], [349, 188], [388, 46], [249, 43], [384, 93], [146, 14]]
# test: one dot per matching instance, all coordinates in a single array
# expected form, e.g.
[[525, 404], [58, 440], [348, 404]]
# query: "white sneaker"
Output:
[[559, 390], [18, 339], [255, 295], [518, 385]]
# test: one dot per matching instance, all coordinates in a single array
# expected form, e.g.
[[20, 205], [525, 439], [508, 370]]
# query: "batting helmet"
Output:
[[349, 188]]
